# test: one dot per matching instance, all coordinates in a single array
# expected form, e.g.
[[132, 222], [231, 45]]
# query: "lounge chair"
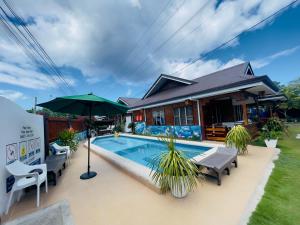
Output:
[[107, 130], [219, 161], [61, 150], [26, 176]]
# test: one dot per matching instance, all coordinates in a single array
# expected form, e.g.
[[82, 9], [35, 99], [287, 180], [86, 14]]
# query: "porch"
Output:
[[221, 113]]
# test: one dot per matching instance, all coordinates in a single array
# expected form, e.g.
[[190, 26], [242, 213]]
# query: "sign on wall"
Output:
[[11, 153]]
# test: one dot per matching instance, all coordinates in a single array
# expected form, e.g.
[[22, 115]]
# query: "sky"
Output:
[[119, 48]]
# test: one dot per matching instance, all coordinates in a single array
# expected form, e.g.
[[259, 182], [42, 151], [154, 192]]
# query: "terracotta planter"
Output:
[[272, 143]]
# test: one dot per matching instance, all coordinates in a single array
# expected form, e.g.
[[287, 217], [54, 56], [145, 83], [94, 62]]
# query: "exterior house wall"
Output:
[[191, 131], [169, 113], [147, 127]]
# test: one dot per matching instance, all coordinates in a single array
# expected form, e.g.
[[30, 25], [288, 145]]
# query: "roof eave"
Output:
[[265, 79]]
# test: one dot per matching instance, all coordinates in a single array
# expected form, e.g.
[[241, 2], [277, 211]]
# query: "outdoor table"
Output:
[[55, 163]]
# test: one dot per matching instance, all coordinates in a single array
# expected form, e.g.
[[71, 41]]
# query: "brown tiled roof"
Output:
[[128, 101], [226, 78]]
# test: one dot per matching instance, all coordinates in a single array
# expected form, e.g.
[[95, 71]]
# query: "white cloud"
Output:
[[200, 68], [12, 95], [136, 3], [97, 37], [259, 63], [27, 77]]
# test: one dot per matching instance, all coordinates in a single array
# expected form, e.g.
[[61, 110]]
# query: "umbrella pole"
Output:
[[89, 174]]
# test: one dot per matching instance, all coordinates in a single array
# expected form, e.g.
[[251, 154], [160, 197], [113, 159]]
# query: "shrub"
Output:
[[68, 137], [238, 137], [118, 128], [272, 129], [274, 124]]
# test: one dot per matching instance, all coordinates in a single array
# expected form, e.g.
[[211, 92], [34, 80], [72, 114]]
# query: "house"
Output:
[[205, 107]]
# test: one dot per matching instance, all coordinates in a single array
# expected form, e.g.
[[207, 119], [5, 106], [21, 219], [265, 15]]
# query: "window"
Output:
[[183, 116], [158, 117], [238, 113]]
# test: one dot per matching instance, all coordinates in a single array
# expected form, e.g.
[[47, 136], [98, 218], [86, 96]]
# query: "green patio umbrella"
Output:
[[85, 105]]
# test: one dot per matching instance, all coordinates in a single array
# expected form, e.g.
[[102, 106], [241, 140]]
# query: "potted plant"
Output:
[[68, 138], [173, 171], [271, 131], [238, 137], [270, 138]]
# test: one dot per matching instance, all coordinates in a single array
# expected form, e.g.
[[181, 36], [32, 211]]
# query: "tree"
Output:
[[292, 92], [48, 112]]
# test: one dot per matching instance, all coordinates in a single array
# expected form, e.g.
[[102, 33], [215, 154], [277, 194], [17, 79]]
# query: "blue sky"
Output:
[[95, 44]]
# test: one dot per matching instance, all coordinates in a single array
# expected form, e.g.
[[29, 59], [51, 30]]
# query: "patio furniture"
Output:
[[61, 150], [55, 163], [85, 105], [56, 214], [108, 130], [216, 133], [218, 162], [25, 176]]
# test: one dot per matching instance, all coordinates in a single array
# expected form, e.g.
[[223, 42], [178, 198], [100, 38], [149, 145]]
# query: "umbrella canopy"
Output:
[[84, 105]]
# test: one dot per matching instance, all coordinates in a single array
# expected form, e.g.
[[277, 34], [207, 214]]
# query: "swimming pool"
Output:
[[134, 154], [143, 151]]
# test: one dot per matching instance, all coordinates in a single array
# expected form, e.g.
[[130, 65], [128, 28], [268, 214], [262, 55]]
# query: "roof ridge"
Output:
[[217, 71], [176, 77]]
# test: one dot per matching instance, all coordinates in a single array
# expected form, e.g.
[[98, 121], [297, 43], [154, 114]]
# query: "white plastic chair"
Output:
[[24, 177], [60, 150]]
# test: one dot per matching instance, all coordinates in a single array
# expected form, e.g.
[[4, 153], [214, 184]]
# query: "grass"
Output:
[[258, 142], [280, 204]]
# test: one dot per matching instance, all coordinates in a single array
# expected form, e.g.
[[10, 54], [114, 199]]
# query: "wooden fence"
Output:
[[53, 126]]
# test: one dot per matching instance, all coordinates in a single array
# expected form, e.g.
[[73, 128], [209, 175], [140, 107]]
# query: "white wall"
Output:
[[127, 122], [21, 137]]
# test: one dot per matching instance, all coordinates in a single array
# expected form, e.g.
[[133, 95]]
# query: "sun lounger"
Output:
[[108, 130], [218, 162]]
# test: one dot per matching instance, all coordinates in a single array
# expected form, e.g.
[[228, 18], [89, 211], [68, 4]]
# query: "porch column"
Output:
[[198, 109], [245, 114], [145, 117], [201, 118]]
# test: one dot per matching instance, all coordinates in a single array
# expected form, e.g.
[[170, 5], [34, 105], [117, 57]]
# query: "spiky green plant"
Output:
[[173, 170], [238, 137]]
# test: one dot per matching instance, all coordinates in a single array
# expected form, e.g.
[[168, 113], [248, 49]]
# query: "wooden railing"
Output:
[[253, 129], [216, 133]]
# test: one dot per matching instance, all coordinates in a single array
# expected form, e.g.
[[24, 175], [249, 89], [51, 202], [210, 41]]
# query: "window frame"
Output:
[[183, 117], [161, 114]]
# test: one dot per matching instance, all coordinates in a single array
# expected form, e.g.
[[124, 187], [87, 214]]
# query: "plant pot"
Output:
[[272, 143], [176, 191]]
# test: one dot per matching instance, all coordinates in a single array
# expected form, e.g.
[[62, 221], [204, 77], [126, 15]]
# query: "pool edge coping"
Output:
[[139, 171]]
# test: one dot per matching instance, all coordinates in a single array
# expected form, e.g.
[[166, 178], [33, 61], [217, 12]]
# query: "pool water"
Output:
[[143, 151]]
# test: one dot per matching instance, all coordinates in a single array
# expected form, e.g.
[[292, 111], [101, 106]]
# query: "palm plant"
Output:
[[238, 137], [172, 170]]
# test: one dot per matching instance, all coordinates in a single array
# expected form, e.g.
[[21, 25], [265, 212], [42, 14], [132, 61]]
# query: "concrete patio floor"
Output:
[[115, 198]]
